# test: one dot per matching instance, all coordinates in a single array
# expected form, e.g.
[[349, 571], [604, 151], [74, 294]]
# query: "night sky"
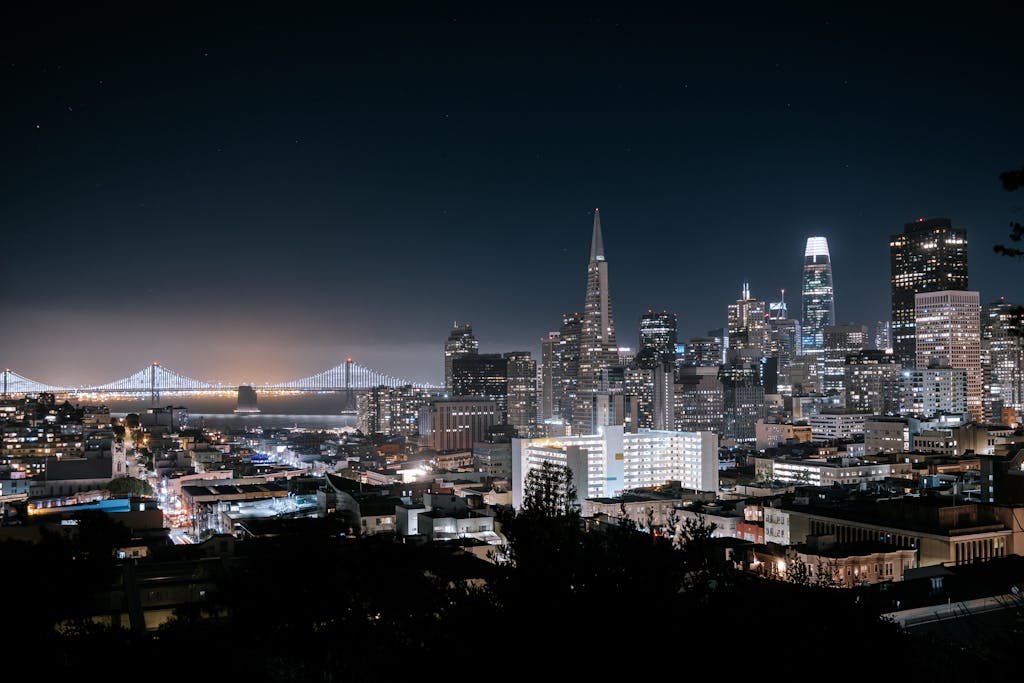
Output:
[[247, 196]]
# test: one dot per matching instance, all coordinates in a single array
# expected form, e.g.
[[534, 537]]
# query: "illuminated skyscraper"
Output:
[[818, 297], [934, 391], [461, 342], [784, 344], [883, 335], [547, 379], [948, 327], [721, 334], [872, 383], [703, 352], [653, 386], [658, 335], [743, 394], [392, 410], [748, 324], [784, 341], [598, 350], [567, 366], [1002, 361], [777, 310], [522, 392], [930, 256], [455, 424], [840, 341], [483, 375], [700, 399]]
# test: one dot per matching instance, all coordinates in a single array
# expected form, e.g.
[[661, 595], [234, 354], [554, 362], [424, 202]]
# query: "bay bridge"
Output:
[[154, 380]]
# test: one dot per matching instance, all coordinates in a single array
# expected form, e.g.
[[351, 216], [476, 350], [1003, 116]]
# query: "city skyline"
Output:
[[259, 224], [477, 314], [423, 377]]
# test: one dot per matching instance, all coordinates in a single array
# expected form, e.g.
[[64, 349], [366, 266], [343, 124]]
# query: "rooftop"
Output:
[[816, 246], [455, 514], [232, 489], [925, 514], [857, 549]]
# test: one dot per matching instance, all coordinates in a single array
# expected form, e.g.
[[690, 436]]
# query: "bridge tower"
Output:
[[7, 371], [349, 401], [154, 391]]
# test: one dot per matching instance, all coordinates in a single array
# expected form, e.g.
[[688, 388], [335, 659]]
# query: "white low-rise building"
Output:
[[833, 425], [776, 526], [611, 461], [819, 472]]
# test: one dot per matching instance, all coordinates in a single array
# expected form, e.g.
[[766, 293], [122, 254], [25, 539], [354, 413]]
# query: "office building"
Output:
[[703, 351], [872, 382], [1002, 482], [639, 386], [748, 324], [493, 459], [777, 310], [784, 344], [455, 424], [1002, 360], [547, 377], [832, 424], [522, 392], [393, 411], [840, 341], [957, 439], [614, 460], [819, 309], [929, 256], [722, 335], [598, 350], [566, 366], [883, 335], [699, 400], [774, 434], [832, 471], [889, 434], [769, 368], [461, 342], [164, 419], [743, 395], [936, 390], [493, 456], [658, 336], [948, 325], [653, 388], [802, 376], [482, 375]]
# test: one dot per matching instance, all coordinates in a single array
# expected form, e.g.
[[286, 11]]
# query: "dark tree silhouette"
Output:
[[550, 491], [131, 485], [1012, 181], [701, 571]]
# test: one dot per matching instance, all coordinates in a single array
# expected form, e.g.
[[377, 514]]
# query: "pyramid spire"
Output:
[[598, 352], [597, 242]]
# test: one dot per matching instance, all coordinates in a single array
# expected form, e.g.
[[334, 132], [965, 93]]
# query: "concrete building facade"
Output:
[[611, 461]]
